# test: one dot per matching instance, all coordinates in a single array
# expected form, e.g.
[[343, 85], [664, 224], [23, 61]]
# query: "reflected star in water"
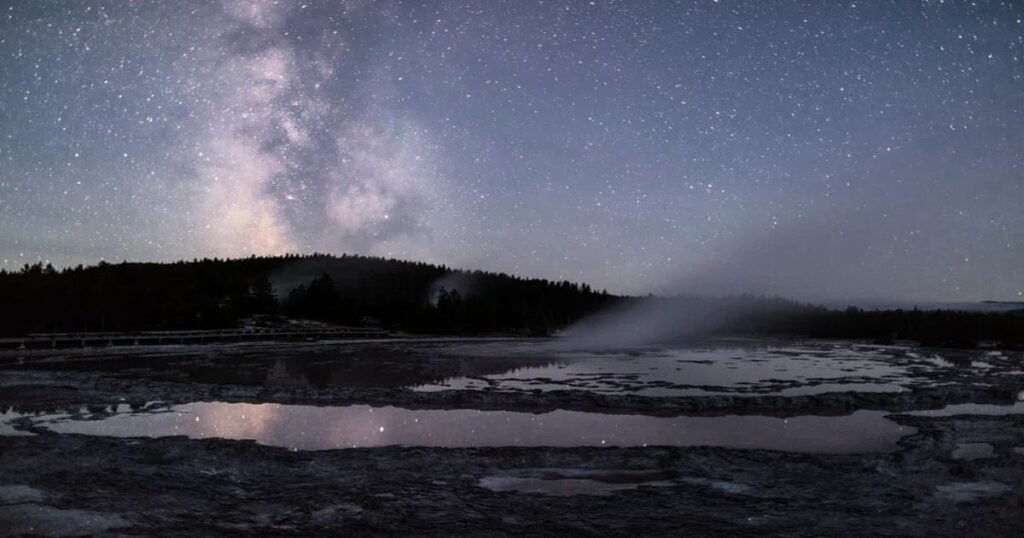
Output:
[[358, 426]]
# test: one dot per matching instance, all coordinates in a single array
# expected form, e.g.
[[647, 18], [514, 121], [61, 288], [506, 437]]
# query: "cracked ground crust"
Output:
[[175, 486]]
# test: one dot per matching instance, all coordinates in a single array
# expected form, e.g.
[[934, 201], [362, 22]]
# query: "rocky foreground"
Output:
[[956, 476]]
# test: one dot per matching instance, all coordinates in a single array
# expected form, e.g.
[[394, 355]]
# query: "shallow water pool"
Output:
[[314, 428]]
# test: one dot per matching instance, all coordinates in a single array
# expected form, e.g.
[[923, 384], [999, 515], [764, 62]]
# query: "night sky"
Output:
[[818, 149]]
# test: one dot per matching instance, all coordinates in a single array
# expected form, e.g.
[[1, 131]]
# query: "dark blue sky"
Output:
[[822, 150]]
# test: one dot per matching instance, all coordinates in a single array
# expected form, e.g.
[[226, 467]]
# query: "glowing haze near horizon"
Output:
[[813, 149]]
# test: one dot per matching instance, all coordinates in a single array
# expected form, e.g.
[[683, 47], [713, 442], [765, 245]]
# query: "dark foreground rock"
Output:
[[180, 487], [956, 476]]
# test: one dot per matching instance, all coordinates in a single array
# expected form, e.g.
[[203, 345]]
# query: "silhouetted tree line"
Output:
[[934, 328], [682, 317], [351, 290], [754, 315], [421, 298]]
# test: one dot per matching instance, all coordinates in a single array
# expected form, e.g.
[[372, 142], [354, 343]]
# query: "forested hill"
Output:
[[352, 290], [424, 298]]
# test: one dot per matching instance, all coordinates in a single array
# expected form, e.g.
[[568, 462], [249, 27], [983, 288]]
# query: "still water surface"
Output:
[[314, 428], [696, 368]]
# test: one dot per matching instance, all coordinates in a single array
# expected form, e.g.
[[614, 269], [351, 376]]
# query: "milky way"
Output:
[[820, 150]]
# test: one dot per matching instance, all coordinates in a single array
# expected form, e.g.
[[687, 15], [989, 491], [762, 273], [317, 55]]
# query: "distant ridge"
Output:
[[420, 298], [347, 289]]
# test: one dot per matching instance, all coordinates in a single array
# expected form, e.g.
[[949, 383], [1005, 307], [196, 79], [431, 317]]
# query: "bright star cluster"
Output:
[[815, 149]]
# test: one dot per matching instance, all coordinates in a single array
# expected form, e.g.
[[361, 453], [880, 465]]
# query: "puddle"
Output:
[[378, 365], [973, 451], [19, 493], [821, 388], [314, 428], [569, 482], [960, 492], [681, 371], [705, 367], [21, 513], [564, 487], [41, 520], [972, 409], [734, 488], [8, 429]]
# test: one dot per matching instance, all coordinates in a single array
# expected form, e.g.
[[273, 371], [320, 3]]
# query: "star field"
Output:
[[820, 150]]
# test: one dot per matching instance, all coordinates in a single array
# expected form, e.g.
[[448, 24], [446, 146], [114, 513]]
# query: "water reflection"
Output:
[[314, 428], [379, 365], [700, 368], [973, 409], [695, 371], [6, 426], [569, 482]]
